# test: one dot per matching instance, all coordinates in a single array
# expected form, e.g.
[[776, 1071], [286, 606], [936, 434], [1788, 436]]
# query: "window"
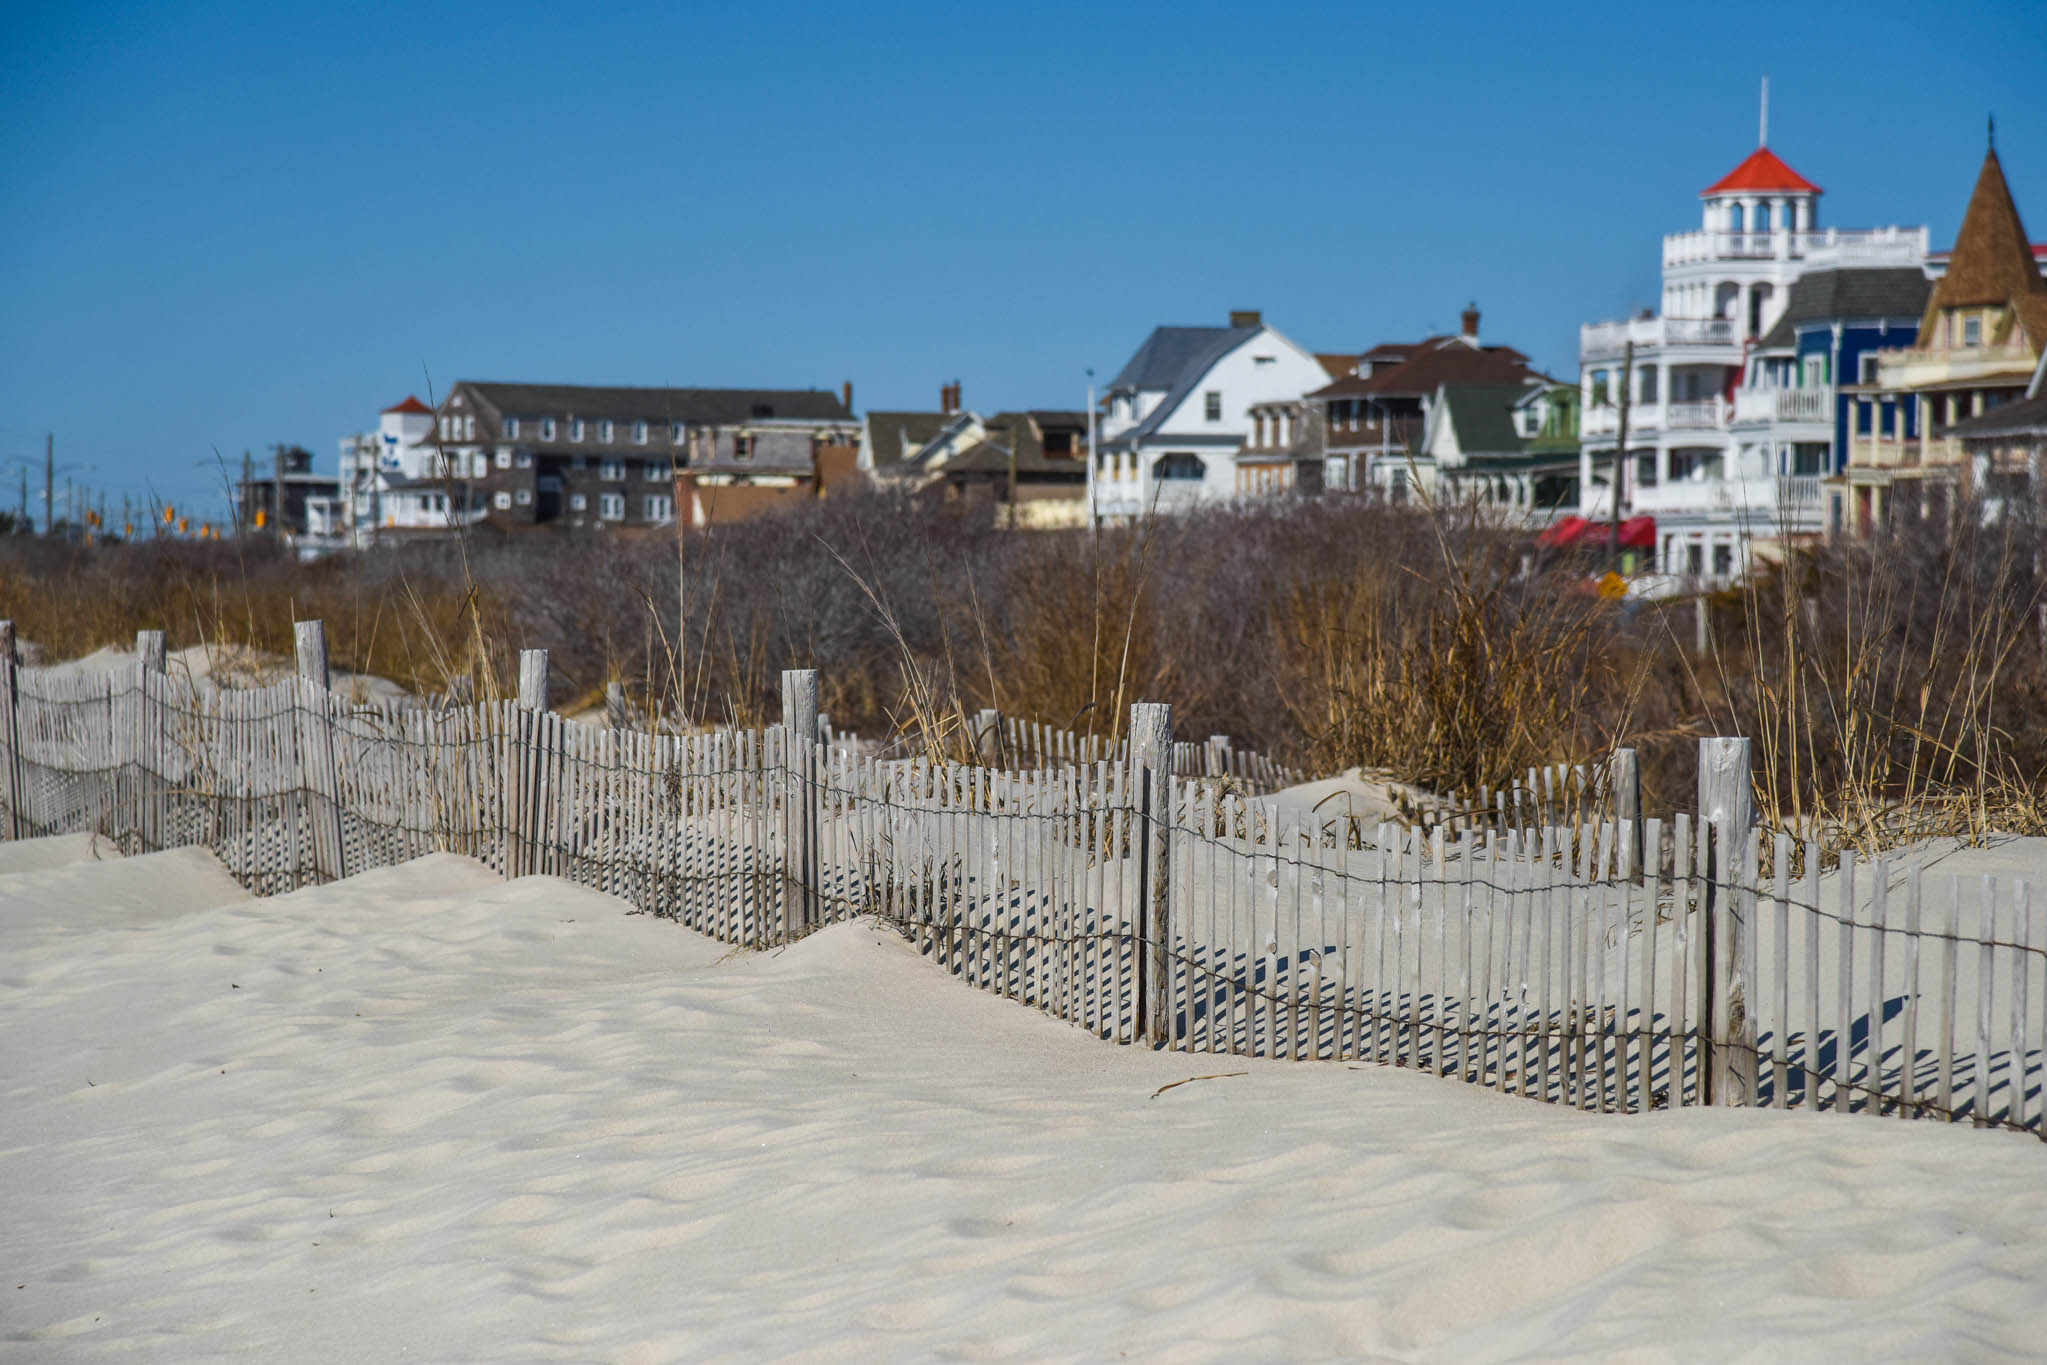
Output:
[[612, 471], [1865, 368], [658, 507], [1723, 561], [578, 502], [1531, 422], [675, 432], [523, 460], [1179, 466], [524, 495], [1647, 386], [1972, 331], [611, 506], [657, 471], [469, 427], [742, 447], [1734, 218], [1599, 395], [504, 459], [576, 429], [511, 428], [503, 501], [547, 428], [1212, 403], [639, 433], [1762, 218]]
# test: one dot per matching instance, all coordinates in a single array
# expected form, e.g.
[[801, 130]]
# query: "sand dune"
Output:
[[426, 1114]]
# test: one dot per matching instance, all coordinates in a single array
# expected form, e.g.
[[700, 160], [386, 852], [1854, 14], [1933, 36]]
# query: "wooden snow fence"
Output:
[[1614, 965]]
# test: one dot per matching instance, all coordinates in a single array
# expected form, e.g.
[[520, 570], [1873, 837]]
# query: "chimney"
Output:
[[1246, 317], [847, 393], [1471, 324], [949, 397]]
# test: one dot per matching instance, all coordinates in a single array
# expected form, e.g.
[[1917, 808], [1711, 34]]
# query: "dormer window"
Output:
[[1972, 331], [742, 447]]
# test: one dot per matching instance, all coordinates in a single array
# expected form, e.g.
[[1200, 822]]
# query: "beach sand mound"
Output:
[[427, 1114]]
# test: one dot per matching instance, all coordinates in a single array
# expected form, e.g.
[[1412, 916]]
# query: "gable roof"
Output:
[[1337, 364], [1198, 362], [1169, 352], [1992, 261], [1859, 293], [1428, 365], [411, 404], [1762, 169], [893, 437], [1482, 416], [696, 406]]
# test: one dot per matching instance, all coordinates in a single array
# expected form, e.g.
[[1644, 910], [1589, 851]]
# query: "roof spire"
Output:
[[1763, 124], [1993, 132]]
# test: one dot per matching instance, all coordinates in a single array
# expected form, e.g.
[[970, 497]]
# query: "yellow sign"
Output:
[[1613, 587]]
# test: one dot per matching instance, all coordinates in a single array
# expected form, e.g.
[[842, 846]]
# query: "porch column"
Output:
[[1584, 479]]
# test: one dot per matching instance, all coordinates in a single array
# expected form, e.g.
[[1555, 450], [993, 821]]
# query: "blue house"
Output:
[[1792, 410]]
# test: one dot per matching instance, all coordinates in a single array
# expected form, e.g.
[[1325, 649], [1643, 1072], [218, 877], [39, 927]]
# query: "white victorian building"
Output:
[[1179, 414], [1725, 285]]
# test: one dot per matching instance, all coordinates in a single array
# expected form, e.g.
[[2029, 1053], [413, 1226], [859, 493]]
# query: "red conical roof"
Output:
[[410, 404], [1763, 170]]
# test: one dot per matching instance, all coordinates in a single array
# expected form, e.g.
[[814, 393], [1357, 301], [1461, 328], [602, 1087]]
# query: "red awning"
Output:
[[1638, 533], [1563, 534]]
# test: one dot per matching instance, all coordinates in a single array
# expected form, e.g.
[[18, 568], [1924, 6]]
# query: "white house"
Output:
[[404, 476], [1725, 287], [1180, 412]]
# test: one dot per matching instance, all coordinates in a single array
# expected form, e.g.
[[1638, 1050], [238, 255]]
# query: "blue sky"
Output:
[[230, 225]]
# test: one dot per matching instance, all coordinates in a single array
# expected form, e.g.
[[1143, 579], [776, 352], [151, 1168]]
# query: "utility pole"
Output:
[[244, 514], [277, 494], [1012, 478], [1094, 514], [49, 483], [1620, 450], [27, 525]]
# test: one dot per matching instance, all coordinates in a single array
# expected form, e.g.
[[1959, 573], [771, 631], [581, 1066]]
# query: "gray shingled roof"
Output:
[[1482, 415], [695, 406], [1168, 353], [1826, 294]]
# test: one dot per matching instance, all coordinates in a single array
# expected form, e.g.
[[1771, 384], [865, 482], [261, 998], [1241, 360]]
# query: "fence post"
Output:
[[1727, 809], [1624, 776], [1702, 627], [1216, 760], [617, 715], [11, 658], [522, 796], [988, 736], [533, 679], [1151, 758], [316, 749], [799, 802], [150, 797]]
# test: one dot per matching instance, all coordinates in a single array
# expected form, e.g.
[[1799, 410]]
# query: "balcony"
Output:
[[1646, 419], [1761, 497], [1911, 368], [1829, 246], [1784, 405], [1603, 340]]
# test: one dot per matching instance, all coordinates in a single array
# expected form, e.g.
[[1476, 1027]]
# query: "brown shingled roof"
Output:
[[1992, 262], [1435, 362]]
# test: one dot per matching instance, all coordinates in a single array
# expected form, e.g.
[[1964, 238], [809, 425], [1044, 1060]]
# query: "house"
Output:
[[512, 457], [1372, 420], [1725, 287], [1978, 345], [1789, 417], [1180, 412], [1028, 467], [2005, 450], [277, 500], [1508, 446]]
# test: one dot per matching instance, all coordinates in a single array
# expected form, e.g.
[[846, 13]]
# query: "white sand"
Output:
[[226, 667], [429, 1115]]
